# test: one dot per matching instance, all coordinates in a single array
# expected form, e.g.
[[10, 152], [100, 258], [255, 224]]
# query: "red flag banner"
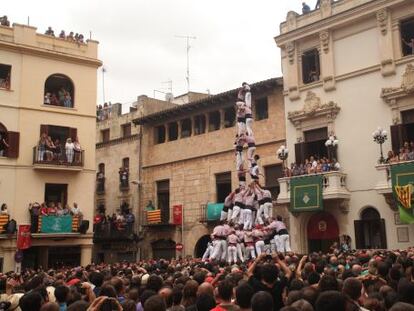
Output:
[[177, 214], [23, 237]]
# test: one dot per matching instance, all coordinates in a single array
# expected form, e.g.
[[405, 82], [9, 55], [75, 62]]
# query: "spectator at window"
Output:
[[4, 210], [50, 149], [69, 147], [41, 147], [391, 158], [50, 32], [3, 145], [47, 100], [67, 101], [409, 44], [410, 154], [58, 150], [150, 206], [51, 210], [80, 38], [77, 149], [59, 209]]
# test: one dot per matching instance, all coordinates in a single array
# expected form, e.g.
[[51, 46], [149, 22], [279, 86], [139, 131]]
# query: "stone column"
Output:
[[86, 254]]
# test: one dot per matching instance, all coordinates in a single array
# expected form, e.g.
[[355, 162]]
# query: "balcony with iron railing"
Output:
[[157, 218], [210, 213], [108, 231], [49, 160], [333, 187]]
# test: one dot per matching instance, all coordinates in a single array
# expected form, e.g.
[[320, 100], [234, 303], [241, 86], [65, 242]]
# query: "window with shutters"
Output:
[[105, 135], [261, 109], [229, 117], [223, 186], [126, 130], [5, 76], [172, 131], [407, 37], [310, 66], [199, 124], [214, 121], [272, 173], [159, 134], [163, 199], [185, 128], [9, 143], [59, 91]]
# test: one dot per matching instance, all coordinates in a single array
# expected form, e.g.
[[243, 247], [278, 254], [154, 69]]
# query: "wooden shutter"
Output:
[[299, 153], [44, 129], [73, 132], [359, 234], [396, 136], [383, 234], [13, 139]]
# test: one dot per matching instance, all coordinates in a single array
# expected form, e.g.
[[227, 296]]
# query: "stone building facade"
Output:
[[118, 146], [188, 159], [347, 70]]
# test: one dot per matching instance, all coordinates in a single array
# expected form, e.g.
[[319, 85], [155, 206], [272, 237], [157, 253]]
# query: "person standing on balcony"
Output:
[[34, 210], [305, 8], [76, 212], [77, 150], [69, 148]]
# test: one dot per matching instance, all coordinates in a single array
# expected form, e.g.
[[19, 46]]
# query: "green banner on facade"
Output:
[[214, 211], [402, 178], [306, 193], [56, 224]]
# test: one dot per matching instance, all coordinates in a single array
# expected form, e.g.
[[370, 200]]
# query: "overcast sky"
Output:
[[140, 51]]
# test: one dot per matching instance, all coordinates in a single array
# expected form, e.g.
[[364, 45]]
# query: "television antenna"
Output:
[[188, 38]]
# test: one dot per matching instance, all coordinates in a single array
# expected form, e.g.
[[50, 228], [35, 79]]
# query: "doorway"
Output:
[[322, 231], [201, 246], [370, 230], [163, 249], [56, 193]]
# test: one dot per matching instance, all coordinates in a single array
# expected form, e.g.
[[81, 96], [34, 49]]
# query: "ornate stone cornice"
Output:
[[313, 108], [382, 16], [324, 38], [407, 86]]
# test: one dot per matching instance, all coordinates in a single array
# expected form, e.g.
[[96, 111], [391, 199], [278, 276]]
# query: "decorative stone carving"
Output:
[[312, 103], [326, 8], [408, 79], [407, 85], [314, 108], [382, 16], [291, 19], [324, 38], [290, 50]]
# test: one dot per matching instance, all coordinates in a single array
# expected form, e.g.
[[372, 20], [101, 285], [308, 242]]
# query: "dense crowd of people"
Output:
[[343, 281], [62, 35], [61, 98], [51, 209], [312, 166], [406, 153], [49, 150], [103, 112]]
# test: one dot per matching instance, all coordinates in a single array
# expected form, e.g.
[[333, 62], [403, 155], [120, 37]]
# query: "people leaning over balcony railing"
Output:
[[405, 153], [121, 221], [313, 166], [51, 209], [54, 151]]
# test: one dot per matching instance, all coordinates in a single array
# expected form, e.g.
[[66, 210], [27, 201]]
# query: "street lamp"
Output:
[[331, 143], [282, 154], [380, 136]]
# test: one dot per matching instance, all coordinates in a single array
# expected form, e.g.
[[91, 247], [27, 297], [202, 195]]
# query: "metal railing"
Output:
[[49, 157], [110, 231]]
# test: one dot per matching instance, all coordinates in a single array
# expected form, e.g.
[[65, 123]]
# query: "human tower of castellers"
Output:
[[247, 227]]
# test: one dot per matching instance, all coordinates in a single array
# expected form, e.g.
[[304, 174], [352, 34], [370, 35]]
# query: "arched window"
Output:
[[370, 213], [59, 91]]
